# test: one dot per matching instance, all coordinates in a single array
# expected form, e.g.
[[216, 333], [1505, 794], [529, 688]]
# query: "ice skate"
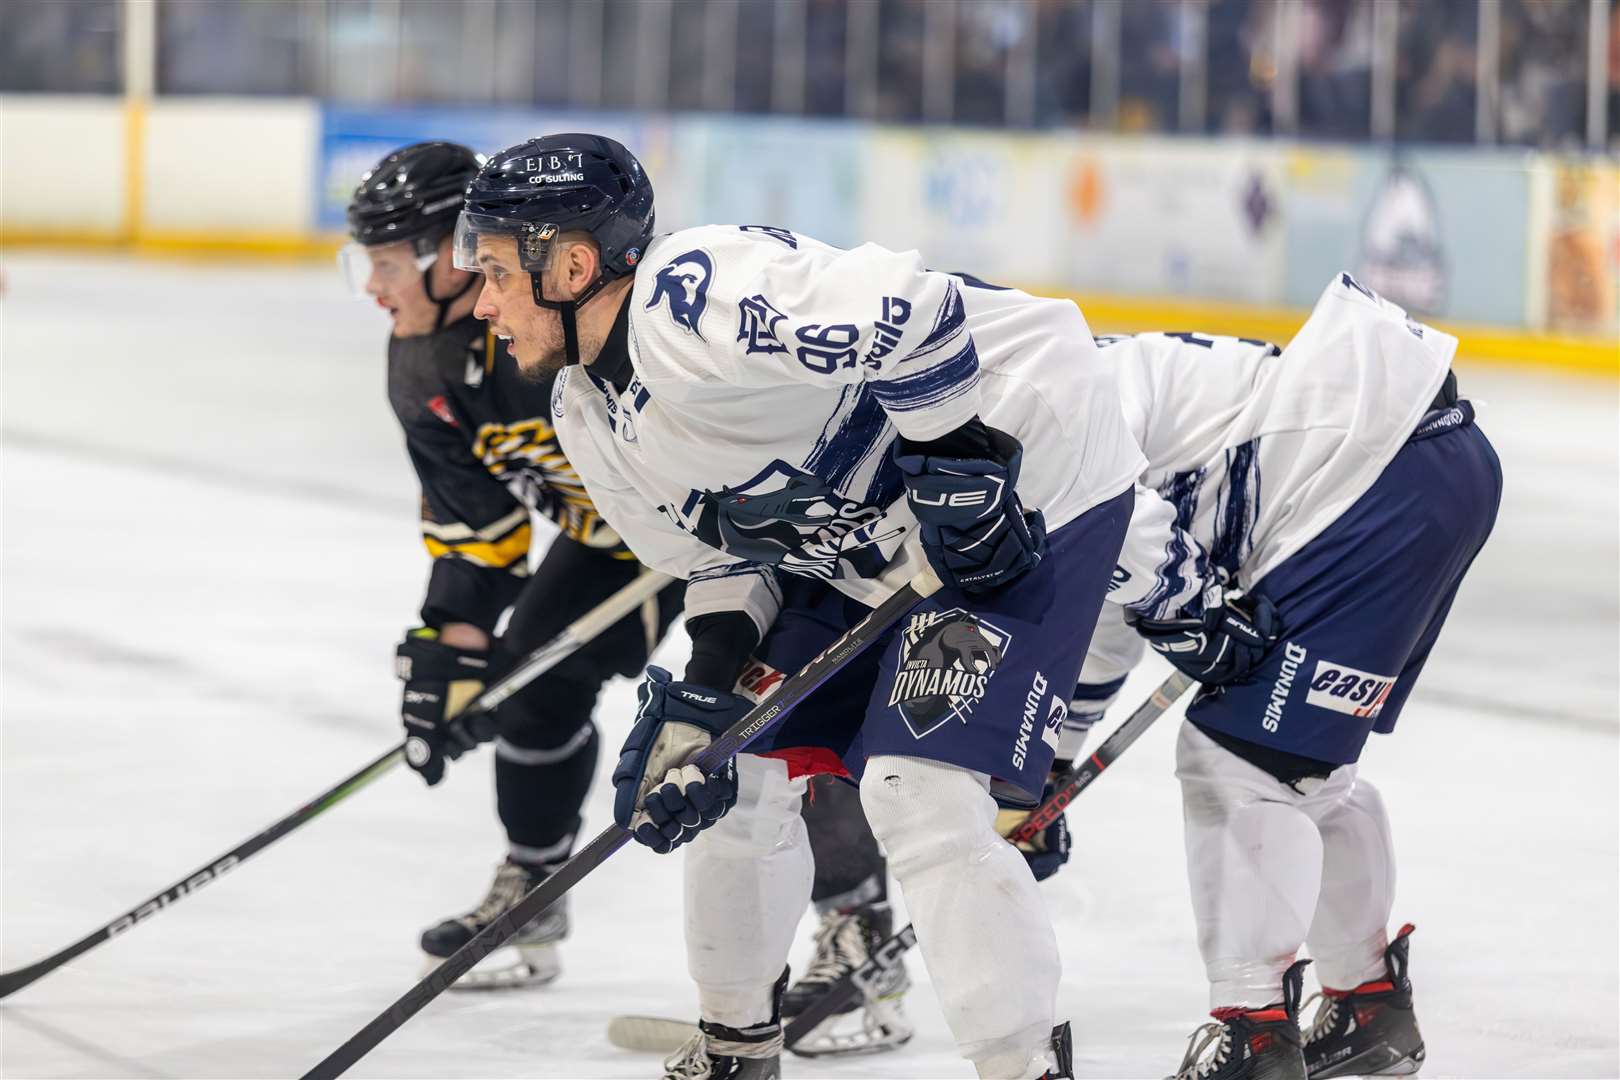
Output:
[[1371, 1030], [718, 1052], [1251, 1044], [874, 1020], [530, 959]]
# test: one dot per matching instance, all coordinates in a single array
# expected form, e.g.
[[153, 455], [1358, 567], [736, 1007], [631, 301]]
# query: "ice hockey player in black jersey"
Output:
[[480, 438]]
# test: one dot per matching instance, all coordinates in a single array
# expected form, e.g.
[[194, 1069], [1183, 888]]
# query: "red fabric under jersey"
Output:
[[809, 761]]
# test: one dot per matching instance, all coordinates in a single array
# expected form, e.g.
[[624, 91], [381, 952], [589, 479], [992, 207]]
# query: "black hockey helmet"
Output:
[[414, 196], [538, 190], [415, 193]]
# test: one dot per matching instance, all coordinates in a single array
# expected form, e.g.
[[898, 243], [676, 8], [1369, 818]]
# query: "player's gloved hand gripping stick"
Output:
[[711, 760], [886, 954], [537, 663]]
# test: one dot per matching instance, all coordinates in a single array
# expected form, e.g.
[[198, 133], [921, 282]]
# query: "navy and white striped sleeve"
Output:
[[1162, 568], [750, 588]]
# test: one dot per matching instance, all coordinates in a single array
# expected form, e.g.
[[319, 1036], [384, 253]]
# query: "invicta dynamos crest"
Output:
[[946, 660]]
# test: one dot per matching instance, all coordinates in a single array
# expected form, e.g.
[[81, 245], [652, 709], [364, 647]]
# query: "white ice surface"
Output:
[[210, 548]]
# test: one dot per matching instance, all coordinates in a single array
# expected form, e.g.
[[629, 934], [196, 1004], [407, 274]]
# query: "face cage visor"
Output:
[[536, 242], [391, 266]]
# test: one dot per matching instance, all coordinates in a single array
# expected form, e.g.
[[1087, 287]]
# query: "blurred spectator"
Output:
[[756, 41], [825, 51], [1614, 74], [1436, 66], [225, 47], [1241, 66], [1543, 71], [54, 47], [1151, 40], [985, 33], [1335, 68], [1062, 62], [901, 33], [686, 31]]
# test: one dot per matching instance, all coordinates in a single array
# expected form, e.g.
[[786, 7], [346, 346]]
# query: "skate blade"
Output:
[[507, 968], [650, 1034], [1377, 1063], [855, 1034]]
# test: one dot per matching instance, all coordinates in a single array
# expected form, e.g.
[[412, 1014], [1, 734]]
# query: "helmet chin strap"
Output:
[[566, 310], [445, 304]]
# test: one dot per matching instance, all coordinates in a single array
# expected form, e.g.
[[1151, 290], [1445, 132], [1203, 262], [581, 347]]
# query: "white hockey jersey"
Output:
[[772, 374], [1253, 451]]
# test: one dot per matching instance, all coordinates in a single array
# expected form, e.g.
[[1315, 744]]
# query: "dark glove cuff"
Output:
[[421, 658], [974, 440]]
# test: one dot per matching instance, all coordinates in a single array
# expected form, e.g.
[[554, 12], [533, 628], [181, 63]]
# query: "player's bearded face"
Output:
[[506, 302]]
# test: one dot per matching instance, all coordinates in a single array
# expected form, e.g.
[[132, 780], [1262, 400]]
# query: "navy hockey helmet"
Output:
[[415, 193], [538, 190]]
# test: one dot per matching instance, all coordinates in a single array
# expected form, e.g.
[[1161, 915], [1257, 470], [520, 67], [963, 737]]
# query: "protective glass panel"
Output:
[[227, 47], [985, 33], [1152, 35], [756, 52], [1241, 66], [1436, 70], [1542, 68], [47, 46], [1063, 63], [826, 24], [1334, 42]]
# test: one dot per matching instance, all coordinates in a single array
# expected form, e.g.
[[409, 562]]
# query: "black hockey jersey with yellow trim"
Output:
[[479, 435]]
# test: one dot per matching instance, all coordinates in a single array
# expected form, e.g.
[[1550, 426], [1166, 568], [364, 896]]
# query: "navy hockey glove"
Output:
[[1221, 645], [1048, 850], [439, 682], [658, 797], [973, 528]]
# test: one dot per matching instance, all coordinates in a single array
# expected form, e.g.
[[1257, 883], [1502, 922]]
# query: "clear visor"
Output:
[[525, 245], [383, 268]]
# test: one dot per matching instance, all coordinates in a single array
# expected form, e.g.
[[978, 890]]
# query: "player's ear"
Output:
[[582, 266]]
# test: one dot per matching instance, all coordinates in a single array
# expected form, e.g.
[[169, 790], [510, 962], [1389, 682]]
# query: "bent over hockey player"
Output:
[[772, 418], [481, 441], [1343, 488]]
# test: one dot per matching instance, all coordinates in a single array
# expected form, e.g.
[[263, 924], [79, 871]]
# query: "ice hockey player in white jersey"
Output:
[[779, 422], [1342, 489]]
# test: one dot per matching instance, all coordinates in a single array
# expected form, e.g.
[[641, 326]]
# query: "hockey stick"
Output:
[[790, 693], [865, 979], [537, 663]]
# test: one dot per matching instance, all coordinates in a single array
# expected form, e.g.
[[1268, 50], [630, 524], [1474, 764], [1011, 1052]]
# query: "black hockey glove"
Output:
[[659, 798], [439, 682], [1049, 849], [962, 490], [1219, 645]]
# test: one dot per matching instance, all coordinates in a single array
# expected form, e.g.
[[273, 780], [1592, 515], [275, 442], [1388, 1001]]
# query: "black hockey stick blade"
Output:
[[13, 981], [790, 693], [531, 667], [888, 953]]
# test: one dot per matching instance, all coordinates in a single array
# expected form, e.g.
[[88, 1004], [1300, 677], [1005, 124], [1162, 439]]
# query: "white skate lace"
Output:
[[1200, 1040], [695, 1059], [840, 948], [691, 1061], [511, 882], [1326, 1018]]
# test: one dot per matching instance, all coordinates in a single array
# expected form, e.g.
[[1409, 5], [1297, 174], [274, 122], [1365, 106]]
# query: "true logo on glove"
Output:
[[946, 661]]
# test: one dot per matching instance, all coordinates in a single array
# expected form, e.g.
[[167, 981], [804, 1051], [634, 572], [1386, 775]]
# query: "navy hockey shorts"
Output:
[[982, 682], [1362, 604]]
